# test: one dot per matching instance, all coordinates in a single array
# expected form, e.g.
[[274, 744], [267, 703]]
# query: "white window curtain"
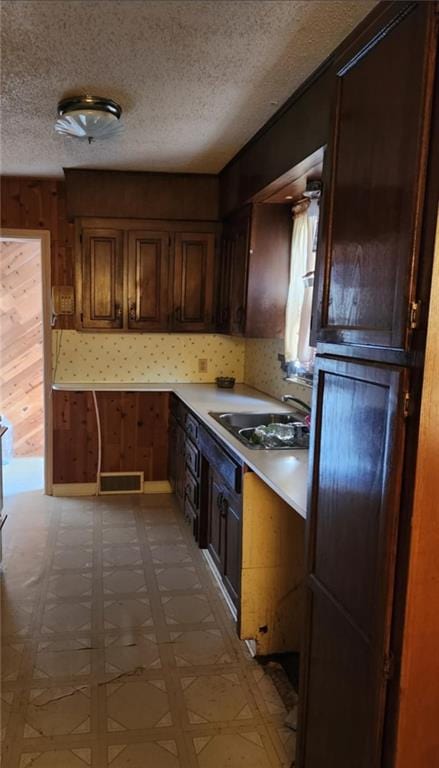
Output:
[[299, 303]]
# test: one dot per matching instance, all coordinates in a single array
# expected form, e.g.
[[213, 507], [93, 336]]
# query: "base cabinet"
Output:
[[224, 533]]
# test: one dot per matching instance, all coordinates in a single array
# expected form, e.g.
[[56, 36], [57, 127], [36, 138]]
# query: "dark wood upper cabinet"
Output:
[[254, 272], [100, 280], [145, 275], [355, 483], [194, 274], [148, 269], [374, 182]]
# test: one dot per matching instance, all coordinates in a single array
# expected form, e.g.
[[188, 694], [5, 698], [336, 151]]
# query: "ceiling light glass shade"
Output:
[[88, 118]]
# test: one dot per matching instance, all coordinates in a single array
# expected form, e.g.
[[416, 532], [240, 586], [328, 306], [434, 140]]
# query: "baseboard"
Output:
[[157, 486], [89, 489], [217, 577], [74, 489]]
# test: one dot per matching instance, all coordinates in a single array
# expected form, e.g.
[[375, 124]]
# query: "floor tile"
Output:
[[57, 711], [11, 661], [75, 537], [187, 609], [120, 535], [62, 659], [234, 750], [137, 705], [177, 578], [170, 553], [127, 554], [158, 754], [215, 698], [131, 653], [200, 647], [76, 757], [162, 533], [129, 612], [67, 617], [70, 585], [124, 581], [73, 558]]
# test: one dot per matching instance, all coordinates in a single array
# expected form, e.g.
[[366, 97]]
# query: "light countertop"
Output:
[[284, 471]]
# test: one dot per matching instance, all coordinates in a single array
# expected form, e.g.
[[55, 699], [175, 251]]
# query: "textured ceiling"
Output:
[[196, 78]]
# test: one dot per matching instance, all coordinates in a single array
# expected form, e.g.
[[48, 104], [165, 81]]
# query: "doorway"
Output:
[[25, 356]]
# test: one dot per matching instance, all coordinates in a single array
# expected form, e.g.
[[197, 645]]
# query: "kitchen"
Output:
[[131, 398]]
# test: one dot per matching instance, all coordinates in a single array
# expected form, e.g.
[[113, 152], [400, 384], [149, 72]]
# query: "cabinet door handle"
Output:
[[240, 315], [219, 501], [132, 311], [118, 311], [224, 507], [177, 314]]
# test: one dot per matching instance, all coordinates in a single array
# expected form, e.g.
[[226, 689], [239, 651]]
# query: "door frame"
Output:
[[43, 235]]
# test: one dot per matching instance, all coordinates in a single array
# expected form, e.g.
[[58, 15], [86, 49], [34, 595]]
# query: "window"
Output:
[[299, 356]]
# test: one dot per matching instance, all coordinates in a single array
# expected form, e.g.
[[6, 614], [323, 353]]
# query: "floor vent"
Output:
[[120, 482]]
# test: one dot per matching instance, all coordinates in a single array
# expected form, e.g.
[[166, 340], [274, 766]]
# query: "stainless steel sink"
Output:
[[243, 426]]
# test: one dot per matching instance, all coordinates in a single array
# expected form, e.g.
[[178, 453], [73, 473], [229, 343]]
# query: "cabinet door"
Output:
[[148, 267], [357, 452], [102, 279], [172, 457], [215, 531], [238, 278], [233, 547], [194, 270], [374, 183]]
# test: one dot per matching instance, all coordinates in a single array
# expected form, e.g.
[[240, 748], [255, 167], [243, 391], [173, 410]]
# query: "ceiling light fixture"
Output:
[[88, 117]]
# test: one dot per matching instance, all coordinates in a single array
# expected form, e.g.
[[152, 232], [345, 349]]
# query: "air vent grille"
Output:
[[120, 482]]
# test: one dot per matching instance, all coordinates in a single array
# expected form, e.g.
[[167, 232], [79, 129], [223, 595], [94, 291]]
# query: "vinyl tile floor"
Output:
[[118, 650]]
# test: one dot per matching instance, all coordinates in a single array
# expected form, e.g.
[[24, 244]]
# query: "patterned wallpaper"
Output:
[[140, 357], [155, 358], [262, 370]]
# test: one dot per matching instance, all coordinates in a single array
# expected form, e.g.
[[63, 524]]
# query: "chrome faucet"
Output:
[[288, 398]]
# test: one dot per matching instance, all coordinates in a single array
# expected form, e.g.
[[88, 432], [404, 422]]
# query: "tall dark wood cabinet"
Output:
[[354, 507], [374, 182], [101, 283], [372, 261]]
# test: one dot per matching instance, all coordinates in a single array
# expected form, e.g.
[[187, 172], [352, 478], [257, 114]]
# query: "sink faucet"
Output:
[[290, 398]]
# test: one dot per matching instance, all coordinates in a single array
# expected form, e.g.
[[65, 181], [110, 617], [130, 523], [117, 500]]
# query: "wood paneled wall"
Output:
[[29, 203], [21, 345], [134, 428]]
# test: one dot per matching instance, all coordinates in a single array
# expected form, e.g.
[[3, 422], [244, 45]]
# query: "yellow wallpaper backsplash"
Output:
[[141, 357], [262, 370]]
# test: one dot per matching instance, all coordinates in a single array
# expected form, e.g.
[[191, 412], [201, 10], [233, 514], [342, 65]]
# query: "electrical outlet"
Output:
[[202, 365]]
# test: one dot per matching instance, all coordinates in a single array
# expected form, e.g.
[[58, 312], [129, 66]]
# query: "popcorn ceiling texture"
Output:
[[195, 79], [140, 357], [262, 370]]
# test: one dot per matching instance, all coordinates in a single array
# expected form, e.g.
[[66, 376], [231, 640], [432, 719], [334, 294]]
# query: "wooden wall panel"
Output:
[[142, 195], [134, 428], [30, 203], [75, 438], [21, 340]]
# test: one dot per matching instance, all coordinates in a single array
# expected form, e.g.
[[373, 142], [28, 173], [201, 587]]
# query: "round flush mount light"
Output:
[[88, 117]]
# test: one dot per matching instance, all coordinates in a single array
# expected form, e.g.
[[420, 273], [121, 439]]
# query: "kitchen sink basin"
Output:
[[257, 430]]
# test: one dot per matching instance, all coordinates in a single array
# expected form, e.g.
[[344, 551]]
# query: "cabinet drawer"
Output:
[[225, 466], [191, 489], [192, 457], [191, 426]]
